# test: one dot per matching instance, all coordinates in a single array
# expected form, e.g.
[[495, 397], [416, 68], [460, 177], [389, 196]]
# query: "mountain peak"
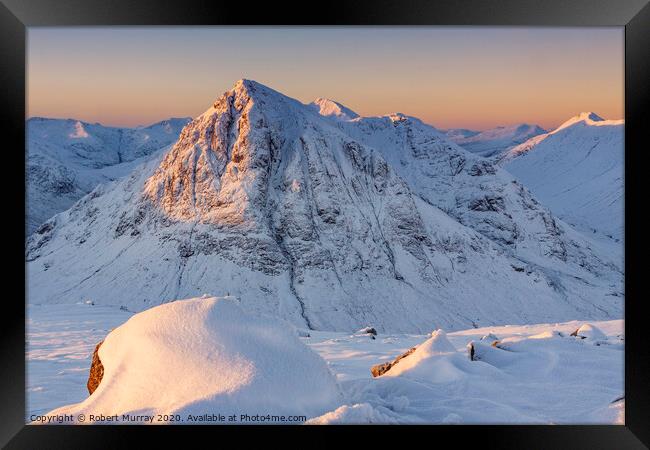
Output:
[[587, 117], [248, 85], [245, 90], [590, 116], [333, 109], [252, 87]]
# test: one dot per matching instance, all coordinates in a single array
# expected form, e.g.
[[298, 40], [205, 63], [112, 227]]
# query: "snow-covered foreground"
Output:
[[537, 377], [60, 342]]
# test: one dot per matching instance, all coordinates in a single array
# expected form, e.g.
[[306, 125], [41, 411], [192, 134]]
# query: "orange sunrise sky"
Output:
[[450, 77]]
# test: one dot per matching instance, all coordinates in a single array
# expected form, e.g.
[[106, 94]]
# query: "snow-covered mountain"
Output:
[[330, 222], [493, 141], [67, 158], [577, 171]]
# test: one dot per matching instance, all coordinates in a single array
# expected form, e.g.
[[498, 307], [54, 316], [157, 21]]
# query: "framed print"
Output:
[[378, 217]]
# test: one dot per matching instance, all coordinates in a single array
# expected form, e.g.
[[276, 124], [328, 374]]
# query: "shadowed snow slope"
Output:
[[577, 171], [493, 141], [206, 355], [67, 158], [331, 224]]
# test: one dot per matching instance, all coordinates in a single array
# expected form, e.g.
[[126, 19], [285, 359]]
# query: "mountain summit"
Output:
[[588, 118], [330, 224]]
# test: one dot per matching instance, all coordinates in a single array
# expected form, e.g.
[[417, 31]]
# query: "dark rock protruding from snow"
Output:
[[96, 371], [367, 330], [478, 351], [381, 369], [588, 331]]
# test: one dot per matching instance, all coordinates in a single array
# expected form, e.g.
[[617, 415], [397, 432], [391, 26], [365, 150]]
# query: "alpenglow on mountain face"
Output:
[[67, 158], [329, 222]]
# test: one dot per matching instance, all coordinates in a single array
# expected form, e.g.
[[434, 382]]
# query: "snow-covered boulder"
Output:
[[490, 338], [380, 369], [588, 331], [437, 344], [207, 356], [367, 330]]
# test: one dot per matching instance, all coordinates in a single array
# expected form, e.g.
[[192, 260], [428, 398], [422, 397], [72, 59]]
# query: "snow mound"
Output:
[[589, 331], [207, 356], [436, 345], [490, 337]]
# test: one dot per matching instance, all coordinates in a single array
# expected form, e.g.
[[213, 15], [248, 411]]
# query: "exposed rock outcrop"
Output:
[[381, 369], [96, 371]]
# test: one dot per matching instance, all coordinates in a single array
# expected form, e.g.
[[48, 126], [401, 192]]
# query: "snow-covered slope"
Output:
[[577, 171], [204, 356], [493, 141], [67, 158], [330, 223], [481, 196]]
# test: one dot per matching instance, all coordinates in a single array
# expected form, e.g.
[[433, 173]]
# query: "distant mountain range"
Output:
[[330, 220], [493, 141], [66, 159]]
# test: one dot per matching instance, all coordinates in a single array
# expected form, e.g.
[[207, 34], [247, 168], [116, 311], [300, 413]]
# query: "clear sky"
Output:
[[471, 77]]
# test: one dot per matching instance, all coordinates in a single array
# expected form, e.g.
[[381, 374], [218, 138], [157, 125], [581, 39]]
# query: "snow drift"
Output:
[[206, 355]]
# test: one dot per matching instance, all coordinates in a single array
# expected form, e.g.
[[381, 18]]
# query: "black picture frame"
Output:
[[634, 15]]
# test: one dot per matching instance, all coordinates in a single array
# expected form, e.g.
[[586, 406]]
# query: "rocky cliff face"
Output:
[[332, 223]]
